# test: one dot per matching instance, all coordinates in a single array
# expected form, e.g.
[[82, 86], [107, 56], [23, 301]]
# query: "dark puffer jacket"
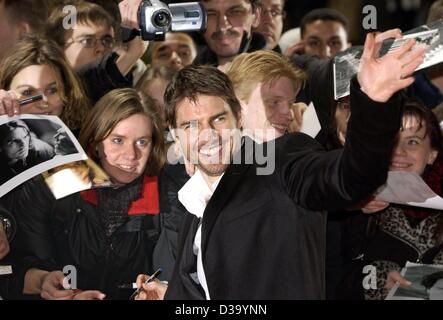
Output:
[[58, 233]]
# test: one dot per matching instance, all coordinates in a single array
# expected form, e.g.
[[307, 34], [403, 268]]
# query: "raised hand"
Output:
[[297, 110], [128, 11], [381, 77]]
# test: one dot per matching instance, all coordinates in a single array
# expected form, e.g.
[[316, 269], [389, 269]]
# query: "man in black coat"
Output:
[[254, 232]]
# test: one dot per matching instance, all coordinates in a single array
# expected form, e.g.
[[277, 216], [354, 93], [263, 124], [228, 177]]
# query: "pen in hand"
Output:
[[29, 100], [150, 279]]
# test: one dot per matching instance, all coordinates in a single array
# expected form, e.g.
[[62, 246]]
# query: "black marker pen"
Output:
[[29, 100]]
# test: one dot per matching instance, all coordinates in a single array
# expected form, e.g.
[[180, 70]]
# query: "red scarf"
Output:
[[148, 203]]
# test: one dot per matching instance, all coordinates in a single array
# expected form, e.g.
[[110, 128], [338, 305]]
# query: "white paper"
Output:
[[310, 124], [410, 189], [48, 127], [4, 270]]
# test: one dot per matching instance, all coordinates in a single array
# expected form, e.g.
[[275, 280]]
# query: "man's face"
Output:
[[88, 42], [266, 115], [177, 51], [325, 38], [271, 22], [16, 145], [227, 21], [206, 130], [9, 32]]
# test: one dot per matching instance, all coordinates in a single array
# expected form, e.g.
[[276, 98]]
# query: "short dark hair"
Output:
[[254, 3], [425, 117], [192, 81], [35, 13], [326, 14], [87, 12]]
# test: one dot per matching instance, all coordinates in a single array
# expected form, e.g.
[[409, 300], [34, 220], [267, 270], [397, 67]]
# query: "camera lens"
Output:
[[161, 19]]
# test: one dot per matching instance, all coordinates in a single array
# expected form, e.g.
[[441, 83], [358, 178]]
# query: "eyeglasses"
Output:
[[235, 16], [91, 42], [274, 12]]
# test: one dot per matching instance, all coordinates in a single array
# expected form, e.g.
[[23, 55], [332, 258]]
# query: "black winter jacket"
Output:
[[59, 233]]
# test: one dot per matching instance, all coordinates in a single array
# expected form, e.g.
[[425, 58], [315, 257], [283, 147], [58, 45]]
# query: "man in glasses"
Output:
[[229, 31], [271, 22], [89, 46], [90, 38]]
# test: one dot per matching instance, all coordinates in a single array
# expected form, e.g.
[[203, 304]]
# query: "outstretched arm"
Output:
[[137, 47]]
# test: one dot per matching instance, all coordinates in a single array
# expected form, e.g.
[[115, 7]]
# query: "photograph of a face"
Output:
[[30, 145], [74, 177]]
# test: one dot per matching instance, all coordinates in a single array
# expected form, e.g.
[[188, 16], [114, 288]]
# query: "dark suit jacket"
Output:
[[263, 236]]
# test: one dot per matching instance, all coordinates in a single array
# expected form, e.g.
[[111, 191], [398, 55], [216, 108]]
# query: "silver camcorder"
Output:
[[156, 18]]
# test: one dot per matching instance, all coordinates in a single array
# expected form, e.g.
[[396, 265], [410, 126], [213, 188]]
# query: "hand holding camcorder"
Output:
[[156, 18]]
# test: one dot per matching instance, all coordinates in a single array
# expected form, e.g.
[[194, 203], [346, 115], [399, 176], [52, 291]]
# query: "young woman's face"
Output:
[[38, 79], [413, 149], [125, 152], [16, 145]]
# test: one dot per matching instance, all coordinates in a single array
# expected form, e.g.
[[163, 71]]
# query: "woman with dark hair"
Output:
[[399, 233], [109, 235]]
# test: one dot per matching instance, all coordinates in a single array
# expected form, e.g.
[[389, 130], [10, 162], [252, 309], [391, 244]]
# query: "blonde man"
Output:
[[266, 85]]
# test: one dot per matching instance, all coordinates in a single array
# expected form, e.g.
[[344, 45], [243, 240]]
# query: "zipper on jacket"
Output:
[[419, 255]]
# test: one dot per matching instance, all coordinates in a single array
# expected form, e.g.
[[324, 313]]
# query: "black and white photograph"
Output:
[[30, 145], [426, 283], [346, 63]]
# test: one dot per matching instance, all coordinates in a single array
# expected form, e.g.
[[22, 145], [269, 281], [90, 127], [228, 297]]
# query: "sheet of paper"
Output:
[[310, 124], [4, 270], [410, 189]]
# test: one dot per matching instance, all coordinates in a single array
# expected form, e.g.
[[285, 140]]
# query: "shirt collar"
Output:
[[195, 194]]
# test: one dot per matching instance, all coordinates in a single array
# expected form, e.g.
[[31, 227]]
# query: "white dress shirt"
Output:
[[194, 196]]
